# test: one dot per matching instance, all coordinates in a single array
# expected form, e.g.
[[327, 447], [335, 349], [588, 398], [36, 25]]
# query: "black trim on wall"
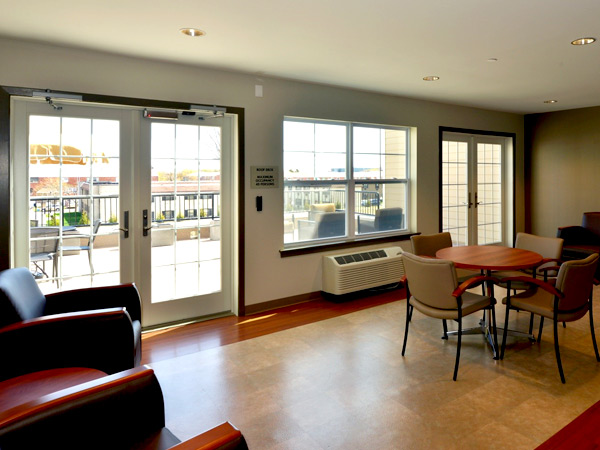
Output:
[[5, 256], [530, 120], [7, 91], [512, 136]]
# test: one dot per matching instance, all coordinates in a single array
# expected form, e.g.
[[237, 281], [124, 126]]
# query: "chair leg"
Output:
[[410, 312], [505, 332], [557, 351], [408, 306], [593, 333], [459, 334], [539, 338], [531, 323], [445, 325], [90, 259], [496, 355]]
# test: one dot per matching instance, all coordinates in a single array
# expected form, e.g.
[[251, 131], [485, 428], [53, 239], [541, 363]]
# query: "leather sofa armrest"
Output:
[[224, 436], [101, 339], [122, 295], [576, 235], [109, 412]]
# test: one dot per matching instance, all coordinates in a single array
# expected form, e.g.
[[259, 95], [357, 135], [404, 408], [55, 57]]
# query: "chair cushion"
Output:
[[470, 303], [20, 296], [541, 302]]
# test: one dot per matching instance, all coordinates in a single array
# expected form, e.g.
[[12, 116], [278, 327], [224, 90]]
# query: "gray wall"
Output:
[[564, 153], [268, 276]]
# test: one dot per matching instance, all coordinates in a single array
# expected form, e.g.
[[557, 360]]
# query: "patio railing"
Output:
[[78, 210]]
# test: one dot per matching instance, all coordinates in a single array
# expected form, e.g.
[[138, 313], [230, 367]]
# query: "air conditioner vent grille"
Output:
[[357, 257], [352, 272]]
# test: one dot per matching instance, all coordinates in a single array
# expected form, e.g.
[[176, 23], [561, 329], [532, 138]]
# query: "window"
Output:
[[343, 180]]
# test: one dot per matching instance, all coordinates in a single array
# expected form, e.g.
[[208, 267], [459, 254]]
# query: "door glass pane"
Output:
[[455, 190], [185, 211], [73, 202], [489, 193]]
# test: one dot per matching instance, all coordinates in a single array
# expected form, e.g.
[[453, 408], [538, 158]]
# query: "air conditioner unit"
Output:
[[356, 271]]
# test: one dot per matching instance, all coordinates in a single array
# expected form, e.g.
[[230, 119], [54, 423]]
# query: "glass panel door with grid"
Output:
[[472, 189], [185, 211], [67, 195]]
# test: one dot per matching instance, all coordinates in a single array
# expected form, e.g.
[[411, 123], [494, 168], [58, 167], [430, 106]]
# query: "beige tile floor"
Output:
[[343, 384]]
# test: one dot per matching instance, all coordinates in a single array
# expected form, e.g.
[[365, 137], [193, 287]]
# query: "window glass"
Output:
[[318, 156]]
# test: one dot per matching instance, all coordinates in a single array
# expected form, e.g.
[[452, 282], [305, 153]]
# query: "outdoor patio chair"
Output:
[[88, 247], [43, 246]]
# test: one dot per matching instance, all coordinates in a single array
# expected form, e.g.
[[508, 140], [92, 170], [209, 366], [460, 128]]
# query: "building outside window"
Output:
[[343, 180]]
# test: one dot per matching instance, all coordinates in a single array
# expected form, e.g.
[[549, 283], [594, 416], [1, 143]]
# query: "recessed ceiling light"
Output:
[[193, 32], [492, 60], [550, 101], [431, 78], [584, 41]]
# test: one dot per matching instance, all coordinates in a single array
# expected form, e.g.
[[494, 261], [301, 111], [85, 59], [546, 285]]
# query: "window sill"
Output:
[[318, 248]]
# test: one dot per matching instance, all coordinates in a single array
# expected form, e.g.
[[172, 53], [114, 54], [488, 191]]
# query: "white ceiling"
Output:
[[384, 46]]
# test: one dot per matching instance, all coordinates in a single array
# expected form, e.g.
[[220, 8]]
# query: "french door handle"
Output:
[[145, 226], [125, 228], [470, 202]]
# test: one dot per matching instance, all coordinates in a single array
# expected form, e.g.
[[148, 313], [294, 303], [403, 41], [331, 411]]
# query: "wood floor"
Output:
[[189, 338], [323, 375]]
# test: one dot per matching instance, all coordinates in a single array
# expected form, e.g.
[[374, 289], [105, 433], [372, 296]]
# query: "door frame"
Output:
[[510, 141], [238, 266]]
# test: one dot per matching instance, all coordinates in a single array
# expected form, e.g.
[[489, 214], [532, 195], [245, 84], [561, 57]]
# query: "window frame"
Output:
[[350, 183]]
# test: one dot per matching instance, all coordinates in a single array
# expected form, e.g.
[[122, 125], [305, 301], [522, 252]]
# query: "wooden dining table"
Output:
[[489, 258]]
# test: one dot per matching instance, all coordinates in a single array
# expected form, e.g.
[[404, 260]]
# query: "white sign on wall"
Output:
[[265, 177]]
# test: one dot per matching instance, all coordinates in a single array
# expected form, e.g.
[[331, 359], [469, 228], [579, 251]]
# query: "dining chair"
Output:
[[567, 300], [43, 246], [429, 244], [549, 248], [88, 247], [432, 288]]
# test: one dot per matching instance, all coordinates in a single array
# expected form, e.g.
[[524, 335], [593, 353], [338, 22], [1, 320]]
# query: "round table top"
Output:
[[490, 257]]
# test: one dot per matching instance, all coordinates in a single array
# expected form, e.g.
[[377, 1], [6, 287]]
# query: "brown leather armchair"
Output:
[[98, 328], [581, 241], [76, 408]]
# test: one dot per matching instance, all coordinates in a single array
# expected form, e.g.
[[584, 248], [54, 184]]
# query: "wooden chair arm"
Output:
[[213, 439], [472, 282], [120, 295], [61, 318], [535, 282], [70, 395]]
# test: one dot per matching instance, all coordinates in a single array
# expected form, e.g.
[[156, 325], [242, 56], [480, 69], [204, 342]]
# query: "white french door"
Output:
[[185, 213], [474, 188], [102, 195]]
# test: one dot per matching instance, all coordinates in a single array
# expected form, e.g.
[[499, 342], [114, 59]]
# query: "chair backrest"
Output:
[[94, 231], [548, 247], [20, 296], [428, 244], [316, 209], [330, 224], [575, 280], [591, 221], [388, 219], [431, 281], [43, 240]]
